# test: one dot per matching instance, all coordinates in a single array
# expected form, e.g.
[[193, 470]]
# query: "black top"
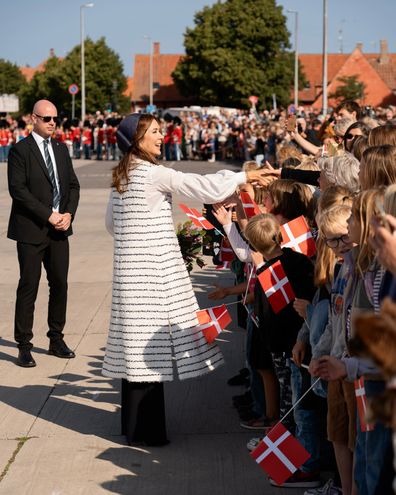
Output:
[[281, 329], [304, 176]]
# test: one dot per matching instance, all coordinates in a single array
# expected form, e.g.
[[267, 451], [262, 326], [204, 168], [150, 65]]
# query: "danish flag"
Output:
[[226, 251], [298, 236], [361, 400], [197, 218], [212, 321], [249, 205], [280, 454], [276, 286]]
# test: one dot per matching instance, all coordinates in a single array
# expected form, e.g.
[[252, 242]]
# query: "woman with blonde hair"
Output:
[[378, 166]]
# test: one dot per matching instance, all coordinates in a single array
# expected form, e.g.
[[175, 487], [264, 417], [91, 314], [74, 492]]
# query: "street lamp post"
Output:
[[150, 69], [82, 44], [295, 57], [324, 78]]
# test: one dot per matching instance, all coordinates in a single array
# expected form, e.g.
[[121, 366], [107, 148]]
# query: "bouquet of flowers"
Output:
[[190, 241]]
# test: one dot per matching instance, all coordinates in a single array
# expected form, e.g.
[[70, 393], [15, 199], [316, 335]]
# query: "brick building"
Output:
[[376, 70]]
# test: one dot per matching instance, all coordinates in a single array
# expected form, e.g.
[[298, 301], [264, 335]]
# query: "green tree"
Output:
[[349, 89], [12, 81], [237, 48], [104, 76], [47, 84], [104, 80]]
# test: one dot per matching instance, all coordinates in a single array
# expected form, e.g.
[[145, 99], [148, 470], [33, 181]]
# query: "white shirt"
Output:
[[210, 188], [241, 247], [40, 143]]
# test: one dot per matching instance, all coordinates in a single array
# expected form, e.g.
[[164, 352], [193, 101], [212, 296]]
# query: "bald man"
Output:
[[45, 194]]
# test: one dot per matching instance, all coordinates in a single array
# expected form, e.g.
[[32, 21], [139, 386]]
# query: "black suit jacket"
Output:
[[31, 191]]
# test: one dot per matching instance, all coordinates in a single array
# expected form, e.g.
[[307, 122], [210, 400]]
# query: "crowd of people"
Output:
[[212, 134], [339, 174], [343, 182]]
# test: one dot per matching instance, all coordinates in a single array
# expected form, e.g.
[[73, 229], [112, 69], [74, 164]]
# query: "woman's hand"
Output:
[[300, 305], [262, 177], [223, 216], [298, 352]]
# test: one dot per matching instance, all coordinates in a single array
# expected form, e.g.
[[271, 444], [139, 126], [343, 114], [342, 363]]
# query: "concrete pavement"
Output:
[[59, 430]]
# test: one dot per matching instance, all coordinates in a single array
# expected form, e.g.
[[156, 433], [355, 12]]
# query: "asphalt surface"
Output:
[[60, 422]]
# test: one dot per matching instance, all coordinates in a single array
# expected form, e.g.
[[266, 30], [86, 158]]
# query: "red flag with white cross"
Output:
[[196, 217], [213, 320], [250, 207], [276, 286], [226, 251], [361, 401], [280, 454], [297, 235]]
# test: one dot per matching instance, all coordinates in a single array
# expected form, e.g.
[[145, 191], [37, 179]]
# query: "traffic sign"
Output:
[[73, 89], [253, 100]]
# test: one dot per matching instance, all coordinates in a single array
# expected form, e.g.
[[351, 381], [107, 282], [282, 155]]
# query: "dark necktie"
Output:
[[51, 173]]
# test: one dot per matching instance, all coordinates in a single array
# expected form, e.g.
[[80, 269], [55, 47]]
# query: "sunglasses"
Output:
[[48, 118], [349, 136]]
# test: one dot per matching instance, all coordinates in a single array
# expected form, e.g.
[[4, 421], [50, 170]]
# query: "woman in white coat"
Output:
[[154, 334]]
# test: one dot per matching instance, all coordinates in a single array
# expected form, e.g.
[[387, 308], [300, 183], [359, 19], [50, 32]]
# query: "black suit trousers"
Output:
[[54, 255]]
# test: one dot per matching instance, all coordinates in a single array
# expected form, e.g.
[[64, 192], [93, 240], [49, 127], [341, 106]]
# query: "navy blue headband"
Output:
[[126, 131]]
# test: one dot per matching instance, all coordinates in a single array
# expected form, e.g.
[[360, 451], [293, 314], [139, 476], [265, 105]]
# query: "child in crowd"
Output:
[[276, 332], [341, 418]]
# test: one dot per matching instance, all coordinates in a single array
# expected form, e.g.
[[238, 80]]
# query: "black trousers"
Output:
[[54, 255], [143, 413]]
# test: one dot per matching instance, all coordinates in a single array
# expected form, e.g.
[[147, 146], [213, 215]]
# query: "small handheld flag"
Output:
[[298, 236], [361, 401], [196, 217], [213, 321], [276, 286], [250, 207], [280, 454]]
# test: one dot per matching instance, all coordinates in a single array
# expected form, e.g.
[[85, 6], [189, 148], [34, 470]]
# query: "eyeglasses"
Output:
[[349, 136], [48, 118], [335, 241]]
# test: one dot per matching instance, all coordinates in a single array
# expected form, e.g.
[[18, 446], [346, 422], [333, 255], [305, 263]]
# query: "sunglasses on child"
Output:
[[47, 118]]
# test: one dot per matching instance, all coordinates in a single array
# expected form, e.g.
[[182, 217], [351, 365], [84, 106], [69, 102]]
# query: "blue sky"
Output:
[[30, 28]]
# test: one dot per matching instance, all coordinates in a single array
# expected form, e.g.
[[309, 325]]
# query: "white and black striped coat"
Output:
[[153, 313]]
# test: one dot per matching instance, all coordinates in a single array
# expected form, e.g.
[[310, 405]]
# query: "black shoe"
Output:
[[242, 400], [241, 379], [25, 359], [60, 350]]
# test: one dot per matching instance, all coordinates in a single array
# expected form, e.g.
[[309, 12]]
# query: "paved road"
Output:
[[59, 430]]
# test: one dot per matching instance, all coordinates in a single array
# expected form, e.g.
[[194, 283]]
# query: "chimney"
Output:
[[384, 57], [156, 48], [359, 46], [52, 53]]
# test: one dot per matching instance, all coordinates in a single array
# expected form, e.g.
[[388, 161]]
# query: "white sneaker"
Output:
[[253, 443], [328, 489]]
